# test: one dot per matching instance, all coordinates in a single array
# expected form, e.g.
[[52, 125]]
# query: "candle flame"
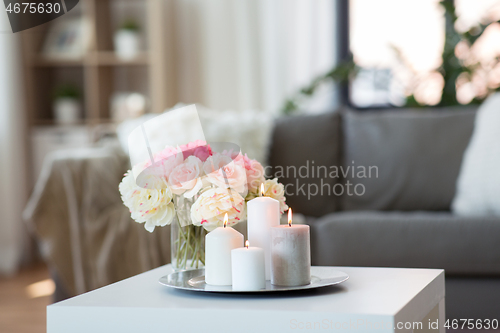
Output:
[[225, 220], [262, 189], [247, 244], [289, 217]]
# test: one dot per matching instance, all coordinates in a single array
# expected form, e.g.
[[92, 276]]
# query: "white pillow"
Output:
[[478, 184], [251, 130]]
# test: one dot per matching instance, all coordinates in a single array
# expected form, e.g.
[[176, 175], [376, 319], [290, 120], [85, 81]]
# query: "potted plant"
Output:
[[127, 40], [66, 105]]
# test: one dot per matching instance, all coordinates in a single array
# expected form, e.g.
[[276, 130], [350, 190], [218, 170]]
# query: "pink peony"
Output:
[[198, 148]]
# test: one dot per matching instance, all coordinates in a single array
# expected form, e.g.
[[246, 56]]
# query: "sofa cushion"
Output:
[[478, 186], [414, 157], [300, 144], [460, 245]]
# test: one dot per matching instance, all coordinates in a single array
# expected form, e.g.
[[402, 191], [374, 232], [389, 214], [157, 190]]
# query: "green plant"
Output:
[[66, 91], [130, 25], [341, 73], [452, 67]]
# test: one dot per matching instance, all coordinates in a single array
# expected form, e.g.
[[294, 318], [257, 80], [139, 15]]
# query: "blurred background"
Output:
[[70, 83]]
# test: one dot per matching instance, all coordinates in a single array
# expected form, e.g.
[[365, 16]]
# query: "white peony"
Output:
[[209, 209], [154, 207]]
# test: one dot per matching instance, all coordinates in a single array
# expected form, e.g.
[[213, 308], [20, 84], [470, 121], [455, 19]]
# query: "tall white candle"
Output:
[[248, 268], [262, 214], [290, 254], [218, 246]]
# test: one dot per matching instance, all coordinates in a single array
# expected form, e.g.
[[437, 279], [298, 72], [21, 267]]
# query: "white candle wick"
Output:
[[289, 217]]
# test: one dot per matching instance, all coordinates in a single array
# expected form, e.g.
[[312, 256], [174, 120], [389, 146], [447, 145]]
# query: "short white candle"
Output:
[[218, 246], [248, 268], [262, 214], [290, 254]]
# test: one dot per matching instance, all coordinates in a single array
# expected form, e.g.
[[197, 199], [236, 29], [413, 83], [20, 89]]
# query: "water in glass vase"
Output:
[[187, 240]]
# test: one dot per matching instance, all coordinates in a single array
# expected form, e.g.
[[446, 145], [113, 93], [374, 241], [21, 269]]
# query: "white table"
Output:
[[380, 297]]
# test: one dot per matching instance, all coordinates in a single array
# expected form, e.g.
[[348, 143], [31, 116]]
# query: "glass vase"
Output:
[[187, 240]]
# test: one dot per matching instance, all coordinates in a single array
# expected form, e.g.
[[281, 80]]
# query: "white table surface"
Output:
[[380, 297]]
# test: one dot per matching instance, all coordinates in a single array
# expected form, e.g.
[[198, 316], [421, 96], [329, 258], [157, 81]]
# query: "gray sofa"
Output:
[[400, 216]]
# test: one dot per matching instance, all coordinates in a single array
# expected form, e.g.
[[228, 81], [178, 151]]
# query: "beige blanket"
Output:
[[85, 233]]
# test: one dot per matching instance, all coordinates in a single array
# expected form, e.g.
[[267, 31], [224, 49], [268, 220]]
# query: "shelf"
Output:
[[98, 73], [52, 122], [81, 122], [102, 58], [109, 58], [41, 61]]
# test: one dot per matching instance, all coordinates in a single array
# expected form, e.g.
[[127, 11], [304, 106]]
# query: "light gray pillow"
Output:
[[416, 152], [478, 186]]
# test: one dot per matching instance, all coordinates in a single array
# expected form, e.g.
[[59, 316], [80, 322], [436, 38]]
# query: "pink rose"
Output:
[[224, 172], [233, 154], [153, 175], [186, 177], [255, 175], [254, 170]]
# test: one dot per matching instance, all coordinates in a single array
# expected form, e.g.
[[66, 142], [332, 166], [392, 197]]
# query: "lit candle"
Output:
[[290, 254], [262, 214], [218, 246], [248, 268]]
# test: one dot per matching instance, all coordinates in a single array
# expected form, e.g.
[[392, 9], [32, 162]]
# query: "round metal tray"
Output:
[[194, 280]]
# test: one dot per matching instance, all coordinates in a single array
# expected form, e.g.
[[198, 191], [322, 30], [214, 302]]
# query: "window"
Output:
[[398, 46]]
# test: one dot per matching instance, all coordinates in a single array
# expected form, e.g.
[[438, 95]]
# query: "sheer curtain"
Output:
[[248, 54], [12, 152]]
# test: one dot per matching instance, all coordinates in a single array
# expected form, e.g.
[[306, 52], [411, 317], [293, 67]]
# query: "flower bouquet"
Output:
[[192, 187]]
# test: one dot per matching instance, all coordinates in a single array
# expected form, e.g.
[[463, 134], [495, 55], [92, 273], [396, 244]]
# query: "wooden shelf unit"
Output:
[[95, 72]]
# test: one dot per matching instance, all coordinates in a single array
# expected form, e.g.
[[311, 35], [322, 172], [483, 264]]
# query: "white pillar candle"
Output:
[[262, 214], [290, 254], [248, 268], [218, 246]]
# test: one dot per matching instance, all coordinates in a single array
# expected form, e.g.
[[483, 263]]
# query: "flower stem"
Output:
[[189, 240]]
